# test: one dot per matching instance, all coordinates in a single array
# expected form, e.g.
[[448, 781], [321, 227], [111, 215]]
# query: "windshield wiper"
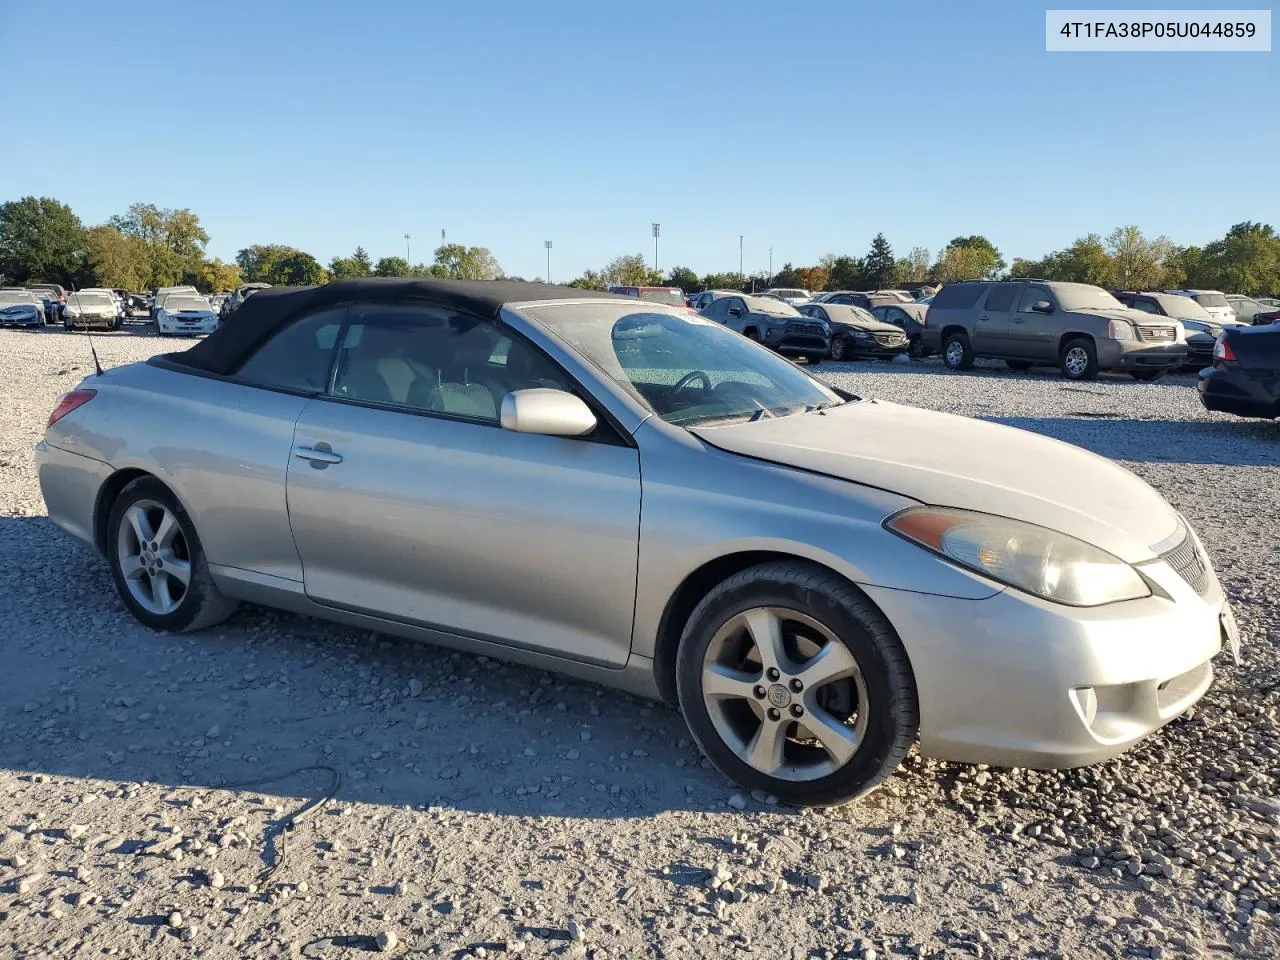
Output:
[[761, 414]]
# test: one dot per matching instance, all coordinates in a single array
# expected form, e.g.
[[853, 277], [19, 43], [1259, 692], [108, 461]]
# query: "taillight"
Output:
[[1222, 350], [68, 402]]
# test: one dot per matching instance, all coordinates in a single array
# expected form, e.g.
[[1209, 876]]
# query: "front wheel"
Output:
[[158, 565], [792, 682], [1079, 359], [916, 350], [956, 352], [839, 347]]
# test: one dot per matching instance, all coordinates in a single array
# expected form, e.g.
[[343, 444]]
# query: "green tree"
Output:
[[916, 265], [461, 262], [1085, 261], [682, 277], [40, 240], [630, 270], [258, 261], [1246, 260], [878, 263], [114, 260], [362, 262], [392, 267], [173, 240], [981, 254], [216, 275], [721, 281], [298, 269], [590, 280], [843, 272], [1138, 262], [356, 265]]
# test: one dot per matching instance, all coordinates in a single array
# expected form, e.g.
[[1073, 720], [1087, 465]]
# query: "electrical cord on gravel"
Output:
[[293, 819]]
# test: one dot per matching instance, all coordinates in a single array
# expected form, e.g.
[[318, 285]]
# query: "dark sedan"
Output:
[[855, 332], [910, 317], [1245, 376]]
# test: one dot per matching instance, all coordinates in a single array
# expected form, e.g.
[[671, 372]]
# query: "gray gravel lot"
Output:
[[488, 810]]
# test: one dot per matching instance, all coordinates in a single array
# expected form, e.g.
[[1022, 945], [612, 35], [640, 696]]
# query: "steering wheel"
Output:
[[688, 378]]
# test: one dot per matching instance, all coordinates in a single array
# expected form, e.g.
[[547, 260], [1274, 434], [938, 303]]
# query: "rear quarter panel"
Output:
[[223, 448]]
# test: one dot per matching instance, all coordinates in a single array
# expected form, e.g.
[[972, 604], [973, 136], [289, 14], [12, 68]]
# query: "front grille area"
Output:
[[890, 339], [805, 330], [1190, 564], [1156, 334]]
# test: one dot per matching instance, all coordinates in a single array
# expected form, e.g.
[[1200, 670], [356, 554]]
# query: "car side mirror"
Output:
[[1042, 306], [553, 413], [735, 311]]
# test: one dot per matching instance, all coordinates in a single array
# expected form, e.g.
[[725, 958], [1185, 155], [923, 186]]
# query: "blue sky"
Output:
[[805, 126]]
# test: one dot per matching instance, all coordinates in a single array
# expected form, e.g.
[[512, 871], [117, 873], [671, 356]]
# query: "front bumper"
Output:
[[873, 348], [92, 323], [1134, 355], [173, 327], [14, 320], [1229, 389], [1016, 681]]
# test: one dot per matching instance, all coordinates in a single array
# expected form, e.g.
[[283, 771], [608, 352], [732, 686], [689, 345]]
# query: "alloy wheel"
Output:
[[1076, 361], [154, 557], [784, 694], [955, 353]]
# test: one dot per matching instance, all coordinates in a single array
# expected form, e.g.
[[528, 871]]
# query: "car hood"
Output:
[[954, 461], [1127, 313], [867, 325]]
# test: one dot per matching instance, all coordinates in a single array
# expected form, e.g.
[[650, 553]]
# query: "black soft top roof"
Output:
[[271, 308]]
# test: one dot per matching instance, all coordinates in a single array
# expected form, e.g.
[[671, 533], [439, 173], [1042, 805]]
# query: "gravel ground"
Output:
[[456, 806]]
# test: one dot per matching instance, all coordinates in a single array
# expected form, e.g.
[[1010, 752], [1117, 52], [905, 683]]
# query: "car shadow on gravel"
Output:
[[1229, 443], [87, 692]]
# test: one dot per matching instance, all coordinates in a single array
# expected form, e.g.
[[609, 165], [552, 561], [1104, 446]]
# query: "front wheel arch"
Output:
[[691, 591]]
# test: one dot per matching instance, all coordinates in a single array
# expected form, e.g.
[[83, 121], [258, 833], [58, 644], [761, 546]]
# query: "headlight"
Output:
[[1040, 561], [863, 335], [1119, 330]]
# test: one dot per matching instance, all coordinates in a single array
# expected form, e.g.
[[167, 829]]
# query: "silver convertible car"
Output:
[[630, 493]]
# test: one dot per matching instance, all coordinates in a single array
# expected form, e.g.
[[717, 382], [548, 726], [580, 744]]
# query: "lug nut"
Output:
[[772, 673], [774, 714], [797, 710], [796, 685], [759, 692]]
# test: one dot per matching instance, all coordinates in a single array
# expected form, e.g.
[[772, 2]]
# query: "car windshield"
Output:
[[173, 303], [93, 299], [775, 308], [16, 296], [1184, 308], [686, 369], [1081, 296], [1211, 300], [672, 297], [794, 294]]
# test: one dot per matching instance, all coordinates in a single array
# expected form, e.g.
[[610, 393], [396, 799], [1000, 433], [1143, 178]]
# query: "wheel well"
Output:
[[1068, 337], [686, 597], [107, 499], [948, 331], [748, 331]]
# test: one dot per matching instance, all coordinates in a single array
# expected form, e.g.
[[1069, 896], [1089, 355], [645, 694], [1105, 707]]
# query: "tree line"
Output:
[[146, 247]]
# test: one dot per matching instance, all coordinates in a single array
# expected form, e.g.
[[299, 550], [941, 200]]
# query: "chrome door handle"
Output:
[[320, 456]]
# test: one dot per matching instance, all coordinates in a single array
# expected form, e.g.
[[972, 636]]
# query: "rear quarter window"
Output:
[[297, 357], [958, 296]]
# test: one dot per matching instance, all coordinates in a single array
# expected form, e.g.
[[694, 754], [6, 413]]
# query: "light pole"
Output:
[[547, 244], [407, 258], [771, 264], [657, 229], [740, 259]]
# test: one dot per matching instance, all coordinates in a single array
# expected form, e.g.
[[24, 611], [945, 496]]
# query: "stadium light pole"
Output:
[[657, 228], [547, 244], [740, 274], [407, 258]]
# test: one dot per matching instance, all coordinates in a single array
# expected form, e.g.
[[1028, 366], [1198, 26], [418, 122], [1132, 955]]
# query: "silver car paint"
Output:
[[961, 462], [522, 538], [226, 451]]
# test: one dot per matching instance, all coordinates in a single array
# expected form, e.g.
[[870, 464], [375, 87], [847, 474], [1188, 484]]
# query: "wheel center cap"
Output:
[[779, 695]]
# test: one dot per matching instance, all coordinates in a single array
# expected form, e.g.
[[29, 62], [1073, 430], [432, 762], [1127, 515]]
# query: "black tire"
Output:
[[839, 347], [1018, 366], [893, 712], [956, 352], [202, 605], [1078, 359], [751, 334], [1146, 376], [813, 360], [916, 349]]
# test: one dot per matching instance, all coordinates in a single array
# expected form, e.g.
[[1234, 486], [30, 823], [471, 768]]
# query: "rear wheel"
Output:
[[158, 565], [792, 682], [956, 352], [1078, 359], [1146, 376]]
